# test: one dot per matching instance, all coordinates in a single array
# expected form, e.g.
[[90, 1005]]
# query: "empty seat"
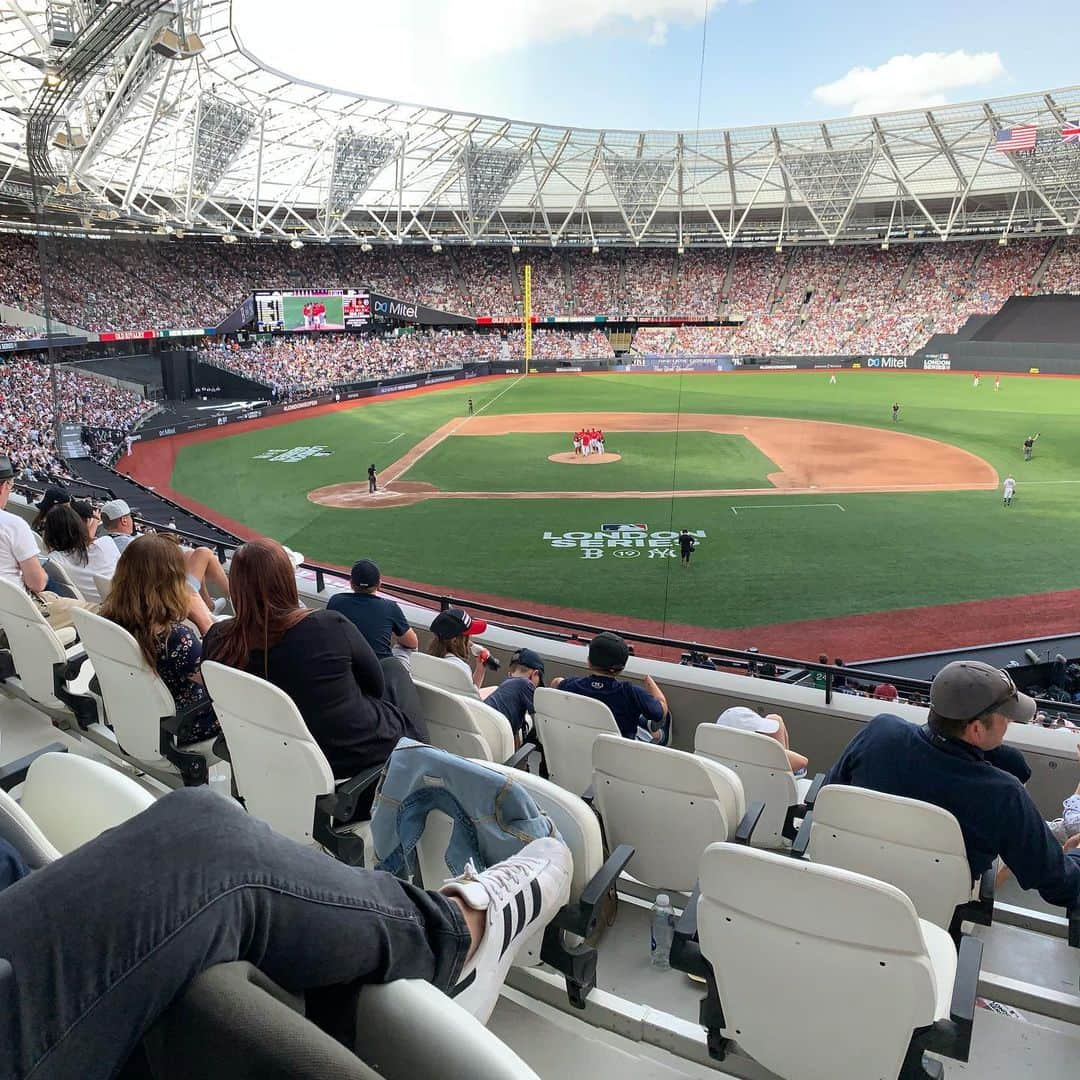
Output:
[[913, 845], [49, 673], [667, 804], [567, 725], [138, 705], [463, 725], [65, 800], [445, 674], [762, 765], [822, 974], [280, 772]]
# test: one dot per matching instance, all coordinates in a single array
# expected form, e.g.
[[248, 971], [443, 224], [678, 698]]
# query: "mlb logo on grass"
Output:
[[624, 528]]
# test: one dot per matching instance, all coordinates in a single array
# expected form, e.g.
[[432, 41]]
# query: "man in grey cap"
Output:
[[118, 522], [957, 761]]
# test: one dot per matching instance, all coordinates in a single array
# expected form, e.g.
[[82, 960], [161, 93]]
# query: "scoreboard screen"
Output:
[[298, 310]]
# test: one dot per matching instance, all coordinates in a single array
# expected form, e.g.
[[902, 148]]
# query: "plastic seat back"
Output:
[[35, 648], [22, 833], [765, 920], [278, 768], [103, 586], [56, 569], [567, 726], [444, 674], [465, 726], [762, 765], [135, 697], [913, 845], [668, 804]]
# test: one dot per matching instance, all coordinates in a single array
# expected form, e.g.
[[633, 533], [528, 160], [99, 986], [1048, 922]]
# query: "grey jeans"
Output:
[[102, 940]]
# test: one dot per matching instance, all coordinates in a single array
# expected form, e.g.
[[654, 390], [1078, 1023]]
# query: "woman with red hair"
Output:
[[355, 706]]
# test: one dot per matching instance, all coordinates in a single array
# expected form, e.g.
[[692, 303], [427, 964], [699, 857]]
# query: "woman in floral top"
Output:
[[150, 599]]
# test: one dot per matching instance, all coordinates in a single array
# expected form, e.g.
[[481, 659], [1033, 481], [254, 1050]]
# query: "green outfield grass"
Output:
[[650, 461], [776, 563]]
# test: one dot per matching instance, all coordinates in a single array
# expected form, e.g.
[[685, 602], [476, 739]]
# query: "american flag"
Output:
[[1017, 138], [1070, 133]]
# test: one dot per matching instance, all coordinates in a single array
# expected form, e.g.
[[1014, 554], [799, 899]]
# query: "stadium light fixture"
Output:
[[53, 78], [596, 249], [884, 245], [365, 246], [436, 248], [680, 250], [1003, 241], [515, 249], [296, 243], [228, 238], [779, 248]]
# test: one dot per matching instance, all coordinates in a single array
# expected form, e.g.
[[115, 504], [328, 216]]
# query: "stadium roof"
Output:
[[153, 115]]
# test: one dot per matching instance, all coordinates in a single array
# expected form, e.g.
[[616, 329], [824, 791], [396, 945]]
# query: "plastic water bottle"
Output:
[[663, 930]]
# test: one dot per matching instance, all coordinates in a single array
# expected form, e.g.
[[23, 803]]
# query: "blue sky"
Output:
[[634, 63]]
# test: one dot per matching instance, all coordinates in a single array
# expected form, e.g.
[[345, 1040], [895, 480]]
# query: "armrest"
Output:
[[172, 724], [588, 796], [1073, 915], [580, 918], [520, 757], [746, 827], [341, 805], [815, 788], [74, 665], [14, 773], [802, 840], [966, 984], [685, 951]]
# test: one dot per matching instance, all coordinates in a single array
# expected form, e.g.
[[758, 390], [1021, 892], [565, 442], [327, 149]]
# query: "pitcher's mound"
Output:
[[570, 458]]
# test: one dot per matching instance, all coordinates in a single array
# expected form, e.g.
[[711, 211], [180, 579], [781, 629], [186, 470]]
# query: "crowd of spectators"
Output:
[[561, 345], [28, 421], [838, 299], [303, 363]]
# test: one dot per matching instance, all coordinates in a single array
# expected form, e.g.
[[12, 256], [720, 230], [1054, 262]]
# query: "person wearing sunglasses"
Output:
[[957, 761]]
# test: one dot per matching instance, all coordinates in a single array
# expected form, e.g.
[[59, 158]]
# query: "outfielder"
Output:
[[1007, 490], [1029, 445], [896, 412]]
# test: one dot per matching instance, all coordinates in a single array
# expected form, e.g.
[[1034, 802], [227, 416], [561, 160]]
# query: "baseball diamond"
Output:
[[894, 536]]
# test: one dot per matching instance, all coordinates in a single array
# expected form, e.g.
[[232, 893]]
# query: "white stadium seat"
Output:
[[138, 705], [917, 847], [567, 725], [762, 765], [445, 674], [667, 804], [464, 726], [822, 974], [279, 770], [64, 801]]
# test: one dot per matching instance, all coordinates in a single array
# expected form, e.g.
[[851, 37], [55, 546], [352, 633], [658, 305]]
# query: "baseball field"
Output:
[[821, 523]]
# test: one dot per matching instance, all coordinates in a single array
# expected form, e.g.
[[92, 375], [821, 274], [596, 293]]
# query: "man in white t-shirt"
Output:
[[19, 561]]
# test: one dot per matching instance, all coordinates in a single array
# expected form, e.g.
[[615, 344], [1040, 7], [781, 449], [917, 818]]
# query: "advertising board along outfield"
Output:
[[812, 457]]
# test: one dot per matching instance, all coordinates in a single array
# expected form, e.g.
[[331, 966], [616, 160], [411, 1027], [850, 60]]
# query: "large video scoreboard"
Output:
[[312, 309]]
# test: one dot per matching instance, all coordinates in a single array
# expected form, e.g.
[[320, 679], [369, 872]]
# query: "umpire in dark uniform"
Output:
[[372, 480]]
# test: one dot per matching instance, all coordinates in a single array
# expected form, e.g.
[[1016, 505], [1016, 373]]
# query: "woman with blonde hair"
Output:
[[150, 599]]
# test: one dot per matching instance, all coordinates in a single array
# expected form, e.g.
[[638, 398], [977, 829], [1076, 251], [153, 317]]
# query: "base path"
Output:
[[812, 456]]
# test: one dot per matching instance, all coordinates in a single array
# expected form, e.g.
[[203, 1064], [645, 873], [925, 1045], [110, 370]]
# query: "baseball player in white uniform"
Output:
[[1008, 489]]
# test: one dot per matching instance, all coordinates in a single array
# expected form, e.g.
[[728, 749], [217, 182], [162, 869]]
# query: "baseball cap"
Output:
[[115, 509], [965, 689], [745, 719], [530, 659], [885, 691], [53, 496], [365, 574], [608, 652], [453, 621]]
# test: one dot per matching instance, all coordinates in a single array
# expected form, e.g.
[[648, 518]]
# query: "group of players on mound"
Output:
[[588, 441]]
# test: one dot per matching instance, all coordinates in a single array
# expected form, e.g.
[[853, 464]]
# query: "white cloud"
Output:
[[435, 51], [910, 82]]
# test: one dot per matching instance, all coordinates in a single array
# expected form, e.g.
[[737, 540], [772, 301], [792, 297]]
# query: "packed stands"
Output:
[[300, 363], [561, 345], [802, 300], [27, 419]]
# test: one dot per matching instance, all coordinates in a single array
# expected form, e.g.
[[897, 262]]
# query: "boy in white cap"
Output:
[[745, 719]]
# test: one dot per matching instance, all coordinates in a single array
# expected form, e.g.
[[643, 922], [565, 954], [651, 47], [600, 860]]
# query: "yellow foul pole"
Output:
[[527, 315]]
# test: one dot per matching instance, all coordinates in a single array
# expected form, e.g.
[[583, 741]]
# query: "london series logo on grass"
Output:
[[628, 541]]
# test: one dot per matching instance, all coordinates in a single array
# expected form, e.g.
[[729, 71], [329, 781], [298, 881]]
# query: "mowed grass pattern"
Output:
[[650, 461], [758, 566]]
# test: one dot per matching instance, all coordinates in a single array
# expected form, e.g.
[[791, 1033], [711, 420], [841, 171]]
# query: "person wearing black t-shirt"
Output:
[[372, 480], [355, 706], [378, 618], [686, 546]]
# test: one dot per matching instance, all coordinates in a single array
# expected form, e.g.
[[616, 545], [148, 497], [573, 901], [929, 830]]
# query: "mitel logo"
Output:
[[396, 309], [886, 361], [166, 431]]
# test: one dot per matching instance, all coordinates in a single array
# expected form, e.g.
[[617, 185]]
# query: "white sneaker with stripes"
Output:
[[520, 895]]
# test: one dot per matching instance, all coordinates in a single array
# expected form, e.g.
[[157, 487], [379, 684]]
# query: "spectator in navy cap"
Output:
[[513, 697], [378, 618]]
